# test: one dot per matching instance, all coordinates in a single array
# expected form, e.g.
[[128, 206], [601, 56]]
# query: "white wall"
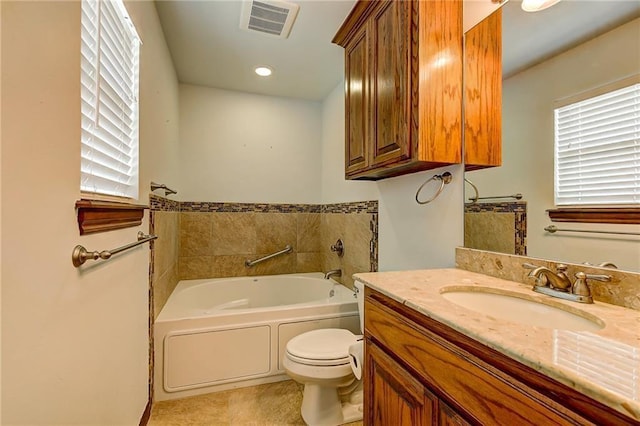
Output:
[[411, 236], [414, 236], [527, 129], [240, 147], [75, 341], [335, 188]]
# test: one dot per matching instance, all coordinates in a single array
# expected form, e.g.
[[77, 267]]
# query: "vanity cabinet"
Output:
[[483, 93], [403, 87], [421, 372]]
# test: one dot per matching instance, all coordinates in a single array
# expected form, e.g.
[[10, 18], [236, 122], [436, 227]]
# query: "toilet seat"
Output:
[[324, 347]]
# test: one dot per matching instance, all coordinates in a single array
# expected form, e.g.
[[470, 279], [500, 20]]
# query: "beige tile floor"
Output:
[[273, 404]]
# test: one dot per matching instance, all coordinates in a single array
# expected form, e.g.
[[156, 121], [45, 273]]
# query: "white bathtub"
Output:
[[217, 334]]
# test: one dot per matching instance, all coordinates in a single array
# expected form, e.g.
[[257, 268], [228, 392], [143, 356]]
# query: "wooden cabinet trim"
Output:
[[352, 105], [558, 395], [96, 216], [355, 20], [628, 215]]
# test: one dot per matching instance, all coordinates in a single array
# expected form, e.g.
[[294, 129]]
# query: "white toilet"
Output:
[[320, 360]]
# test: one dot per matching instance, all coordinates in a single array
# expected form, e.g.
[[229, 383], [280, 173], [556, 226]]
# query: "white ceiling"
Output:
[[209, 49], [530, 38]]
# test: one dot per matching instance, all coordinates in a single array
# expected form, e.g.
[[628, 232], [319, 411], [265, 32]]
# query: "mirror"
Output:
[[567, 49]]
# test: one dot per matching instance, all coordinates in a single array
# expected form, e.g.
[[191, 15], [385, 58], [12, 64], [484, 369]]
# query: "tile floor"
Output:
[[273, 404]]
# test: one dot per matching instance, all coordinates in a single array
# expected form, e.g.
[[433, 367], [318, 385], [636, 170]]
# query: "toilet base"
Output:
[[321, 405]]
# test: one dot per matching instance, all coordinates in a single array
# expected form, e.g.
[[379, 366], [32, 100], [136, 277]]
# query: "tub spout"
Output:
[[335, 272]]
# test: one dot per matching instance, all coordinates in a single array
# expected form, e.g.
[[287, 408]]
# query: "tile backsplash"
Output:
[[622, 290], [212, 240]]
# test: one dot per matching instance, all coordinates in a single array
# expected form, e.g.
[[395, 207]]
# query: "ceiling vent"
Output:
[[274, 18]]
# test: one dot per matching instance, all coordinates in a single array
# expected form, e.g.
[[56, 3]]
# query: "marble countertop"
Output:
[[602, 364]]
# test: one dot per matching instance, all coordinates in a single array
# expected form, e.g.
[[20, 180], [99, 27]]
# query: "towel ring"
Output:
[[444, 179]]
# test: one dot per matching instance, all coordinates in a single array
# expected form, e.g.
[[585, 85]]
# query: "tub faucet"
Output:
[[336, 272]]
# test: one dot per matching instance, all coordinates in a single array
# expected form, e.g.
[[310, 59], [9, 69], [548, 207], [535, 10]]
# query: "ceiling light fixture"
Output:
[[537, 5], [263, 71]]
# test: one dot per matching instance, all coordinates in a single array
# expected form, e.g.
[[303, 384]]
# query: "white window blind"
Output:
[[110, 49], [597, 148]]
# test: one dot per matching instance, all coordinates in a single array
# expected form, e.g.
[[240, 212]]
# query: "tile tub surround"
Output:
[[164, 222], [500, 227], [623, 290], [539, 348], [215, 239]]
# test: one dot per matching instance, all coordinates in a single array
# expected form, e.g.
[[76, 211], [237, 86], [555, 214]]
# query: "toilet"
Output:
[[320, 360]]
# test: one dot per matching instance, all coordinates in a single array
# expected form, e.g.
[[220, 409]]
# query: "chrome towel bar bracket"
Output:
[[81, 254], [444, 179]]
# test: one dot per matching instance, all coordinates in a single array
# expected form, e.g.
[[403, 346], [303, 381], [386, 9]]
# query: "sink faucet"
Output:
[[557, 280], [336, 272], [558, 284]]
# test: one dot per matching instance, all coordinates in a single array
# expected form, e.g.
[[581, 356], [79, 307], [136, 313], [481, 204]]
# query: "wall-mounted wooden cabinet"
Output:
[[403, 78], [483, 93]]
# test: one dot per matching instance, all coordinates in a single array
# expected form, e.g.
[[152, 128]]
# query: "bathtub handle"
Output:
[[249, 263]]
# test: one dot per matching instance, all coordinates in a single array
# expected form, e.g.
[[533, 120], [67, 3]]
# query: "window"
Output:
[[110, 49], [597, 147]]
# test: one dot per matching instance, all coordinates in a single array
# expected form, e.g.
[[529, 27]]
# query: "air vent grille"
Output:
[[274, 18]]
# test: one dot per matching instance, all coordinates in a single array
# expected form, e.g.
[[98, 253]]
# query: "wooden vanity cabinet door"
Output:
[[356, 98], [392, 395], [391, 80]]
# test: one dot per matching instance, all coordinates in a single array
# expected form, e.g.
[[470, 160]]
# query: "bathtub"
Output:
[[218, 334]]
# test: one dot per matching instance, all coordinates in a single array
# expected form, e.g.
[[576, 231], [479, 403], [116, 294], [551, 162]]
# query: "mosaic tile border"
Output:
[[520, 222], [163, 204], [157, 203], [354, 207], [215, 207]]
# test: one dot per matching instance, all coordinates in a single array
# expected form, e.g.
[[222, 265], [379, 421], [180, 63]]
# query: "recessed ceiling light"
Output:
[[263, 71], [537, 5]]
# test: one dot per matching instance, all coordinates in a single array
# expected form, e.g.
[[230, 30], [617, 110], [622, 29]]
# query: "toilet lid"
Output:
[[329, 346]]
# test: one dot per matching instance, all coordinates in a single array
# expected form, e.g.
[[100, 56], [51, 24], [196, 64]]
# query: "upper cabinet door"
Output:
[[391, 81], [356, 87], [483, 94], [411, 113]]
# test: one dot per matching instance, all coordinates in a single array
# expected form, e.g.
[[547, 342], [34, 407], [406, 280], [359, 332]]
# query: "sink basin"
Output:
[[516, 307]]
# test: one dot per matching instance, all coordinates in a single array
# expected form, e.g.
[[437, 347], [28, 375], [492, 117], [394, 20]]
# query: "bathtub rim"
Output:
[[345, 297]]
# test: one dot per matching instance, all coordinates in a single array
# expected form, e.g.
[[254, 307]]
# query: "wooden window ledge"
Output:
[[100, 216], [618, 215]]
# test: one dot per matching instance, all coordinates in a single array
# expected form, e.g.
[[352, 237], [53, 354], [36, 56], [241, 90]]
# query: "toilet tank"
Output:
[[360, 298]]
